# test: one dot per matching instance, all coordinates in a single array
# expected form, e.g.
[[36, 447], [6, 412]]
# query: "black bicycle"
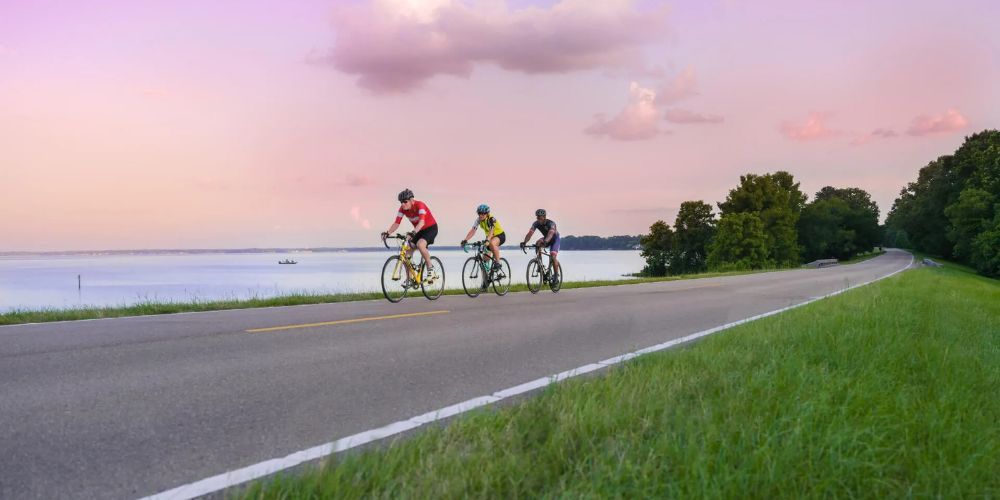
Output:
[[479, 273], [539, 274]]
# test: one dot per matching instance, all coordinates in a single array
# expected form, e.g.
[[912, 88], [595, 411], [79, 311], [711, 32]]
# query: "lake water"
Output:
[[51, 282]]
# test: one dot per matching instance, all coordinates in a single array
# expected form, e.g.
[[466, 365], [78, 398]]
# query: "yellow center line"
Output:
[[345, 321]]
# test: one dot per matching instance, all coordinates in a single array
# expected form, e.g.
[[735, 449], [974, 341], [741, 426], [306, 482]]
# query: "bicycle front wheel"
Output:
[[472, 277], [432, 283], [393, 278], [534, 276], [555, 277], [501, 278]]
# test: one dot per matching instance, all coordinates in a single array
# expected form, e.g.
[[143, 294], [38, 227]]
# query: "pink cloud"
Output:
[[638, 121], [813, 129], [879, 133], [678, 89], [950, 121], [356, 215], [395, 45], [685, 117]]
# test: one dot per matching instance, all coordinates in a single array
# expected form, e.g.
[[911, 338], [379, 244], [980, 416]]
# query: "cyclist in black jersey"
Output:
[[550, 235]]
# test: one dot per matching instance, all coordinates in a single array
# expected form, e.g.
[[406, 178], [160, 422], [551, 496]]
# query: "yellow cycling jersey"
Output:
[[487, 224]]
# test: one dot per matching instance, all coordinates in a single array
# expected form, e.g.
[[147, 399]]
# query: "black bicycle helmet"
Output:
[[540, 212], [404, 195]]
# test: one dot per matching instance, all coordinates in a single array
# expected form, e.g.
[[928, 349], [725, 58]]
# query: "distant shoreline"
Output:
[[237, 251]]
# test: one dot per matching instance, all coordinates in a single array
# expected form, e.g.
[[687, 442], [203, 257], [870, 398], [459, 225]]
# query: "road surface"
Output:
[[123, 408]]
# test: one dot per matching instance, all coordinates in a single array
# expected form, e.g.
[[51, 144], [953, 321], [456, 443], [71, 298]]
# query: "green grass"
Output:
[[152, 307], [890, 390]]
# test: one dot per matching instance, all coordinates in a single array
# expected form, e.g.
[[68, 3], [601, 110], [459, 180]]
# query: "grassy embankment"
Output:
[[889, 390], [152, 307]]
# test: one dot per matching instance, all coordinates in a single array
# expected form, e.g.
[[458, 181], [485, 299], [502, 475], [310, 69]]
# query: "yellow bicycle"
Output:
[[400, 275]]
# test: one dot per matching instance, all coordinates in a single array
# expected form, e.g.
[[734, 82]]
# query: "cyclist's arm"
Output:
[[528, 236], [419, 226], [395, 225], [471, 232]]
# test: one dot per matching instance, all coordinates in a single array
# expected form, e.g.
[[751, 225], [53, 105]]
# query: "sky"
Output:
[[234, 124]]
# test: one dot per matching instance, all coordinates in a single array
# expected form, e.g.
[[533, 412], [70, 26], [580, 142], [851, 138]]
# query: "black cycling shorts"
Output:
[[502, 236], [427, 233]]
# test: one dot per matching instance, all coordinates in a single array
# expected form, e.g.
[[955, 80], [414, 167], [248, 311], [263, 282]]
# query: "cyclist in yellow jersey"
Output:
[[491, 226]]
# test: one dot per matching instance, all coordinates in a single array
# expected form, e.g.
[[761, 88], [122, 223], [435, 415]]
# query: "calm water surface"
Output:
[[51, 282]]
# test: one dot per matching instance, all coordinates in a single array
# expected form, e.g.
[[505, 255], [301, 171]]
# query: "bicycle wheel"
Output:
[[534, 276], [432, 284], [555, 277], [501, 278], [472, 277], [393, 278]]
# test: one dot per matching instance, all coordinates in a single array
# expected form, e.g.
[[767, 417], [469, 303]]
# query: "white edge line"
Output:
[[268, 467]]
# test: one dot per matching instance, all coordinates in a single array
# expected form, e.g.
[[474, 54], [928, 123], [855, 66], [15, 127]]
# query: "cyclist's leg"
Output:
[[495, 243], [424, 238], [554, 252]]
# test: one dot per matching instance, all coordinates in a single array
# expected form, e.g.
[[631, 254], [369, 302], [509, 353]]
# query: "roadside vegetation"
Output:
[[765, 222], [888, 390], [952, 210]]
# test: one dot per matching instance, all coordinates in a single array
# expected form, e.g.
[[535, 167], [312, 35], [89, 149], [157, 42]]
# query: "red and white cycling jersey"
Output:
[[418, 211]]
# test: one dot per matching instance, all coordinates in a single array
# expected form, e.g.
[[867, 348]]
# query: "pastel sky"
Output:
[[225, 124]]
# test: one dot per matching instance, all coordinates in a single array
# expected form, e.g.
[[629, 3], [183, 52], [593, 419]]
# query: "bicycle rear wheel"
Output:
[[533, 276], [432, 283], [555, 277], [501, 278], [472, 277], [393, 277]]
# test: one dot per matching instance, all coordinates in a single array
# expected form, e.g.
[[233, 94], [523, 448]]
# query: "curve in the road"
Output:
[[235, 477]]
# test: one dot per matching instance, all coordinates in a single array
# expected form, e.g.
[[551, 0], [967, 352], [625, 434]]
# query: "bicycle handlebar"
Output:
[[524, 248], [397, 236]]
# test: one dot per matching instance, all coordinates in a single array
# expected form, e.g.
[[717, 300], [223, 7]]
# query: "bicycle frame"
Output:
[[540, 251], [404, 260], [483, 253]]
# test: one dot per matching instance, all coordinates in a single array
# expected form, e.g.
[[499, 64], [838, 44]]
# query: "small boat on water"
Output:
[[287, 261]]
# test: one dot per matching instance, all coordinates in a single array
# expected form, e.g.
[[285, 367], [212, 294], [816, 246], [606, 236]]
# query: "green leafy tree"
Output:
[[952, 207], [839, 223], [740, 243], [693, 231], [777, 201], [971, 215], [823, 233], [986, 250], [657, 247]]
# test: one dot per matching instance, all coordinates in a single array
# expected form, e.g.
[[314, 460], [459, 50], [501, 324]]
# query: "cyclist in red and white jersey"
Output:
[[425, 228]]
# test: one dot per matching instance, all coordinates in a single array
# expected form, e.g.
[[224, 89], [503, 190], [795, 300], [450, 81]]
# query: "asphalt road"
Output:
[[122, 408]]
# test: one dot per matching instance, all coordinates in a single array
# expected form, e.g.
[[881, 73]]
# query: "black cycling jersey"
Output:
[[548, 226]]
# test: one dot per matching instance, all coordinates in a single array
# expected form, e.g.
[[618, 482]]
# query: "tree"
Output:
[[823, 233], [657, 247], [777, 201], [952, 208], [740, 243], [969, 216], [693, 231], [839, 223], [986, 250]]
